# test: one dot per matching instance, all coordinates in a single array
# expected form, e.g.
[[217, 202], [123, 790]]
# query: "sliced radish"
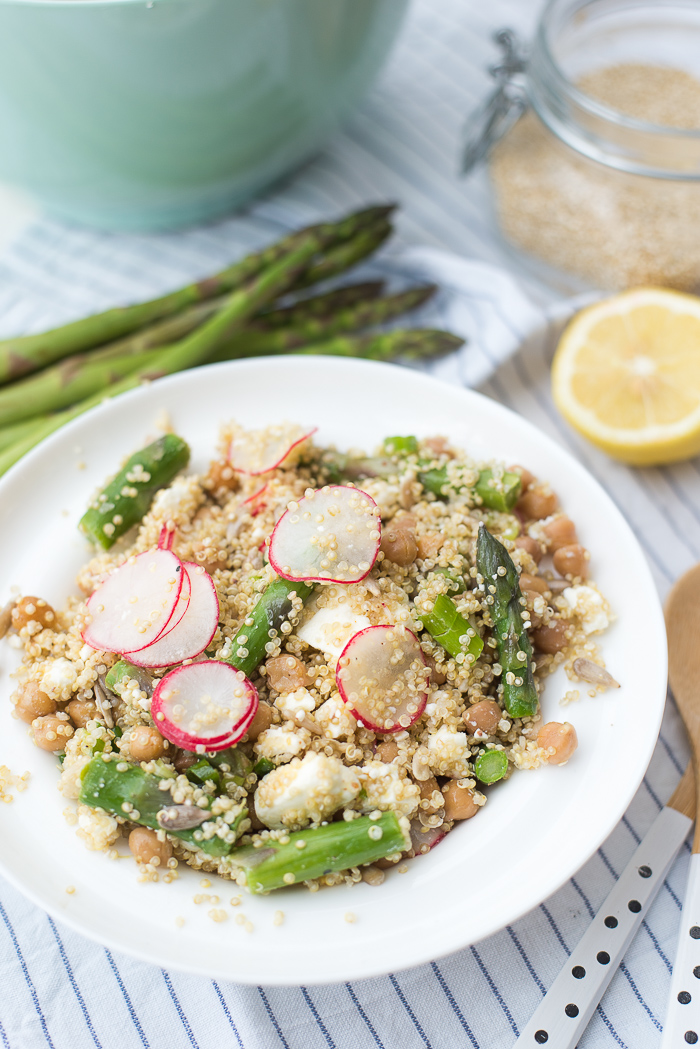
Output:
[[193, 632], [383, 677], [204, 706], [166, 538], [259, 451], [135, 604], [183, 603], [332, 535]]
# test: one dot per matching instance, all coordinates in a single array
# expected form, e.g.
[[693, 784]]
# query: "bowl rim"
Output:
[[605, 823]]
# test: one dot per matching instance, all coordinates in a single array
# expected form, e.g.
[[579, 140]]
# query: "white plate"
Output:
[[537, 829]]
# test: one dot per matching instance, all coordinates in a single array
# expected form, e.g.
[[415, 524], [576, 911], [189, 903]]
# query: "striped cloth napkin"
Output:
[[61, 991]]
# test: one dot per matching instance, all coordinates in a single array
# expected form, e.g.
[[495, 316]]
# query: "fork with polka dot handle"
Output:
[[564, 1012], [682, 1026]]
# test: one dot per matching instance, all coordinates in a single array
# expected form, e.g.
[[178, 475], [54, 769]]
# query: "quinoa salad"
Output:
[[305, 666]]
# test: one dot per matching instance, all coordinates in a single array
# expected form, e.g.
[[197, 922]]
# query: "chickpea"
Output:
[[533, 582], [373, 875], [482, 716], [52, 732], [531, 546], [6, 618], [33, 610], [399, 544], [261, 721], [146, 743], [33, 703], [427, 788], [436, 675], [551, 638], [146, 847], [386, 864], [560, 738], [387, 751], [222, 475], [538, 502], [438, 445], [459, 801], [560, 532], [572, 561], [81, 711], [287, 674], [534, 598], [527, 479], [429, 545]]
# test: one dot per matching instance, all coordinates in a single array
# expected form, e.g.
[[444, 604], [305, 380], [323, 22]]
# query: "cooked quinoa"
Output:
[[307, 761]]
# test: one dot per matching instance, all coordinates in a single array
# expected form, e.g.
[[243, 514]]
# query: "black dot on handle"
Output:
[[644, 872], [635, 906], [691, 1037], [541, 1037], [611, 923], [684, 998], [603, 957], [695, 932], [578, 972], [571, 1010], [696, 972]]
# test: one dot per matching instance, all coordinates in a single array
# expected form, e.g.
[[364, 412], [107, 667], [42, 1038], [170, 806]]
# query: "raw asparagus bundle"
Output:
[[504, 599], [26, 353], [232, 314]]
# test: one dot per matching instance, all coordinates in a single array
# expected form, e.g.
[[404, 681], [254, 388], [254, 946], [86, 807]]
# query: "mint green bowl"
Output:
[[150, 114]]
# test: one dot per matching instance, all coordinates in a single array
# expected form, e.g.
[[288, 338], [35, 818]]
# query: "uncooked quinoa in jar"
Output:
[[305, 666], [601, 176]]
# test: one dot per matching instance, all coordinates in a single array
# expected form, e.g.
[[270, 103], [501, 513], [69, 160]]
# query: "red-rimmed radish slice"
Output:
[[183, 603], [383, 677], [196, 628], [332, 535], [259, 451], [166, 538], [134, 605], [204, 706]]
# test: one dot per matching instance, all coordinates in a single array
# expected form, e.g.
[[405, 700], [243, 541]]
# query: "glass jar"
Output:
[[594, 141]]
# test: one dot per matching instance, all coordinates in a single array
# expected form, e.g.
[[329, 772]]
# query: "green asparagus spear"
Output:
[[127, 498], [504, 600], [413, 344], [195, 348], [126, 790], [118, 675], [10, 435], [496, 494], [334, 847], [319, 306], [24, 354], [450, 629], [307, 329], [400, 446], [344, 256], [491, 765], [272, 609]]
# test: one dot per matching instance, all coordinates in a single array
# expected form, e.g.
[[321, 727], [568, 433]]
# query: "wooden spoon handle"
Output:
[[564, 1012], [682, 1027]]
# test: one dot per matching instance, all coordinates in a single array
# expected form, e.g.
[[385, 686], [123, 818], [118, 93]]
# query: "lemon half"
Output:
[[626, 375]]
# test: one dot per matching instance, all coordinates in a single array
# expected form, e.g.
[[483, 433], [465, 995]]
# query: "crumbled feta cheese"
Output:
[[589, 606], [96, 828], [330, 628], [305, 791], [59, 679], [178, 502], [448, 752], [335, 719], [280, 744], [387, 787], [295, 705]]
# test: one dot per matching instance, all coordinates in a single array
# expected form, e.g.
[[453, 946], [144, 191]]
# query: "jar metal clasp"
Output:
[[494, 118]]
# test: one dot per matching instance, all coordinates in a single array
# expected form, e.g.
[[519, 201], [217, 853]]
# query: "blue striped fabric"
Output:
[[60, 991]]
